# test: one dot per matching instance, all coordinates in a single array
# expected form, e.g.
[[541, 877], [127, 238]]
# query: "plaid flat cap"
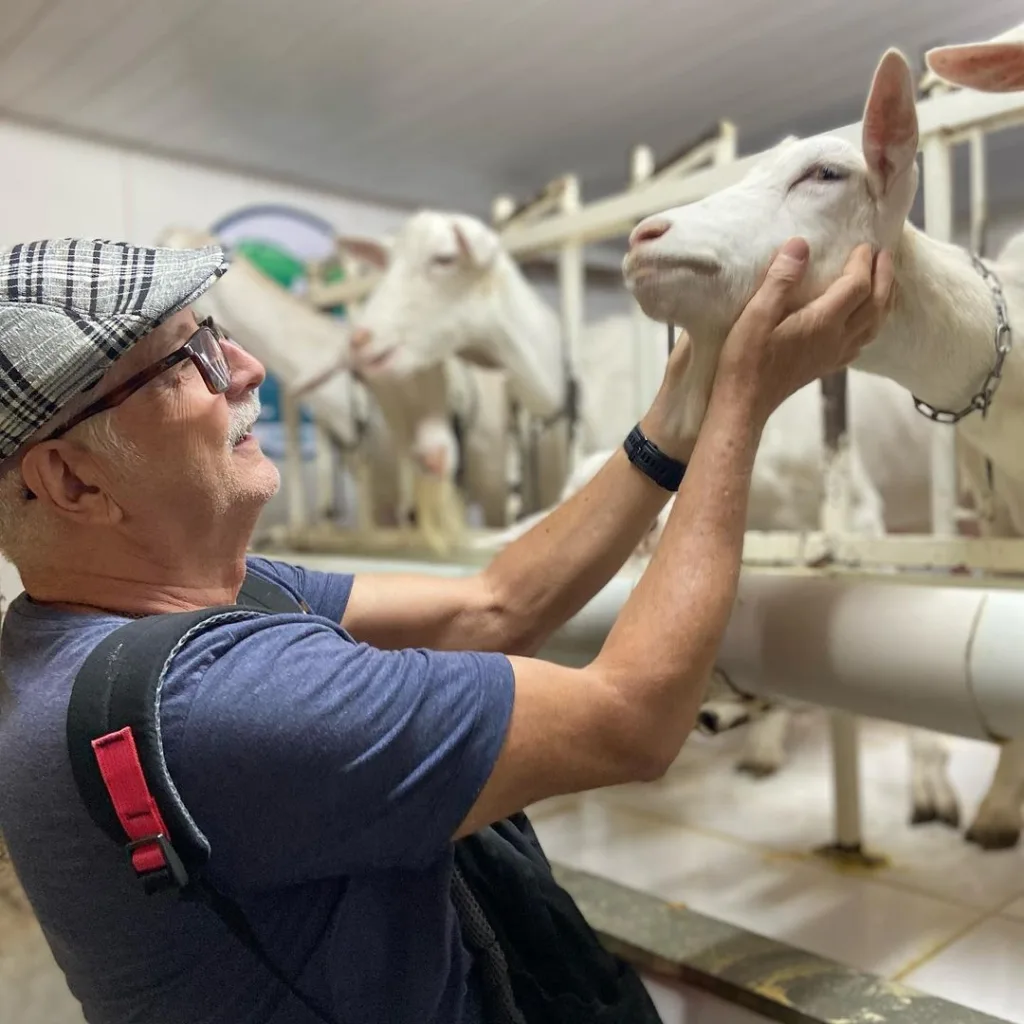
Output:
[[70, 307]]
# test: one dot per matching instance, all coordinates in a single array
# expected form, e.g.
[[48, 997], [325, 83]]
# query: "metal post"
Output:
[[979, 193], [846, 783], [293, 474], [938, 223], [645, 332], [836, 516], [325, 495], [571, 278]]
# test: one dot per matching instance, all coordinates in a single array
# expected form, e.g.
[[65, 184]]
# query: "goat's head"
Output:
[[433, 298], [993, 66], [698, 265]]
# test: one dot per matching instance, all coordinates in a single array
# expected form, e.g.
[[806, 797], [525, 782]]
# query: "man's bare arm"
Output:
[[543, 578], [625, 716]]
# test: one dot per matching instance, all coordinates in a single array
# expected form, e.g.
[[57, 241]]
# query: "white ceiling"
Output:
[[451, 101]]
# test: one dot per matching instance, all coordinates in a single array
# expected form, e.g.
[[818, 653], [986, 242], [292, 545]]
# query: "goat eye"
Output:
[[823, 172], [443, 259]]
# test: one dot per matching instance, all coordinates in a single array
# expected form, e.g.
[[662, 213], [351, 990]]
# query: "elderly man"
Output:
[[334, 758]]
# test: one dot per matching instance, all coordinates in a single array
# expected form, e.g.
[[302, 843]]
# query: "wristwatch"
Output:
[[650, 459]]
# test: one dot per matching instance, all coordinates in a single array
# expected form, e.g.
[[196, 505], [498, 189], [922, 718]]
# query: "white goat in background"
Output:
[[309, 352], [697, 265], [449, 287]]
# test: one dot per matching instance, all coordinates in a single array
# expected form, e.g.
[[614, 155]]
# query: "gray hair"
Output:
[[23, 531]]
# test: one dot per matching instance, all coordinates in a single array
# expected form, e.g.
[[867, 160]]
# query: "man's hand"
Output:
[[775, 354], [661, 423]]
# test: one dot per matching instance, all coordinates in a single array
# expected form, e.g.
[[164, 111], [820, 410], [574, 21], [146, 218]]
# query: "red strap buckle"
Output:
[[172, 862], [149, 851]]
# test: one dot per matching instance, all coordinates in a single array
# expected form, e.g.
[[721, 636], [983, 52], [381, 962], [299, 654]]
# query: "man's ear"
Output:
[[66, 478]]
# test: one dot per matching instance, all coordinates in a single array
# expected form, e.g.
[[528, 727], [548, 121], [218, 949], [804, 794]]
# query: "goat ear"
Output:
[[377, 254], [889, 133], [986, 67], [478, 245]]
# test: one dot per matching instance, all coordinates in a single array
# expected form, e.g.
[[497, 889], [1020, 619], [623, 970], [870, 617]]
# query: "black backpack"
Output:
[[538, 959]]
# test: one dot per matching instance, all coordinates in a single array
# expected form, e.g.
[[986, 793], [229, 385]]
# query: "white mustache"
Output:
[[243, 416]]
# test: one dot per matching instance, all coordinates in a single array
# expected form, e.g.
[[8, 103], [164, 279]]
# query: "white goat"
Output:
[[697, 265], [309, 352], [995, 65], [449, 287]]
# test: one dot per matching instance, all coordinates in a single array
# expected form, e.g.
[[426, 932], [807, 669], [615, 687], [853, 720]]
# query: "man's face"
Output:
[[196, 459]]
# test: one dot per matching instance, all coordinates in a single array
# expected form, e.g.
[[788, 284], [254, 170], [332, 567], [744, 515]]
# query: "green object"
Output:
[[274, 262], [284, 268]]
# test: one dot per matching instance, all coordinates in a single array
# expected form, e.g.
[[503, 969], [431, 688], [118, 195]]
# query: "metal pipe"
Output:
[[979, 193], [571, 280], [938, 223], [293, 468], [846, 781], [836, 522], [325, 491]]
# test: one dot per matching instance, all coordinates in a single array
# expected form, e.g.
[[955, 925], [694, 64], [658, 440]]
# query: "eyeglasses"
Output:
[[203, 348]]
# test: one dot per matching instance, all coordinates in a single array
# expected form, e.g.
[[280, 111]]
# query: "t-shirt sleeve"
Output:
[[327, 593], [302, 755]]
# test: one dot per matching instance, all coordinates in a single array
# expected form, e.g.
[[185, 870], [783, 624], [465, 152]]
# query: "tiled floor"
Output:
[[941, 915]]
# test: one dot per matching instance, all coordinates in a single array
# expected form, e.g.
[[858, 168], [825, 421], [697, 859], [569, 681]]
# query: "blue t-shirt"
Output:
[[329, 777]]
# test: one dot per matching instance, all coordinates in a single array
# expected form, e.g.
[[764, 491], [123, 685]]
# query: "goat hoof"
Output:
[[757, 769], [945, 815], [926, 814], [993, 838]]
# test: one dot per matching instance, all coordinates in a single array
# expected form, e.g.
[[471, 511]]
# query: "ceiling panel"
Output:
[[43, 68], [451, 101]]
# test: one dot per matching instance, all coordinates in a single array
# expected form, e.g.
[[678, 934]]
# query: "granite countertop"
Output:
[[781, 982]]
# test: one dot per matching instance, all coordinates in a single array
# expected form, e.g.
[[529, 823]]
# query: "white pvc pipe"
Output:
[[945, 658], [938, 223], [846, 779]]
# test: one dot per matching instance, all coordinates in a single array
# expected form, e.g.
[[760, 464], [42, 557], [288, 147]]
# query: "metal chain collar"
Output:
[[1003, 342]]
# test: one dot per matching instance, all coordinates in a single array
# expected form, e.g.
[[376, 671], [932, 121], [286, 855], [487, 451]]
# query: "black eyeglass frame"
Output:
[[203, 347]]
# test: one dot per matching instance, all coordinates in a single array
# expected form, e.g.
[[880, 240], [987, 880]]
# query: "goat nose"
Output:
[[435, 462], [361, 337], [648, 230], [707, 721]]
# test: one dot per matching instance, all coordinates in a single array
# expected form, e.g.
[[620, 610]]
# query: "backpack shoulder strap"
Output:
[[114, 742], [257, 592], [115, 748]]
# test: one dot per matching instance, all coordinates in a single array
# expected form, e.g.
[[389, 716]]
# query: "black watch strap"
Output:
[[650, 459]]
